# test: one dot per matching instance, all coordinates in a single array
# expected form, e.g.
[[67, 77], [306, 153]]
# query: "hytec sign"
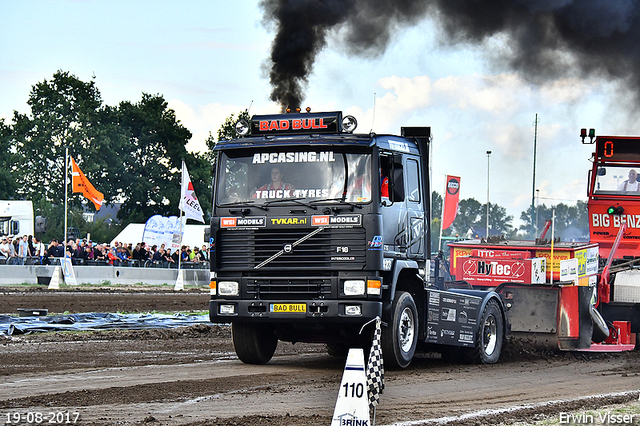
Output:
[[480, 271]]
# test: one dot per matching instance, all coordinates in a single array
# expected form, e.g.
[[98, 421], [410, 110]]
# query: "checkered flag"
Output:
[[375, 368]]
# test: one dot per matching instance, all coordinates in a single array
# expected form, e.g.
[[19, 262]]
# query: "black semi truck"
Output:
[[317, 230]]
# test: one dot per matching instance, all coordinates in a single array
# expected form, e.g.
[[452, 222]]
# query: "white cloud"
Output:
[[566, 90], [204, 119]]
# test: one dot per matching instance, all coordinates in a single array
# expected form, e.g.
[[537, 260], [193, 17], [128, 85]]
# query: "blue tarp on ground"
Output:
[[95, 321]]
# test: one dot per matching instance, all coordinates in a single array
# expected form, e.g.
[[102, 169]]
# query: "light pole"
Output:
[[537, 208], [487, 230], [533, 190]]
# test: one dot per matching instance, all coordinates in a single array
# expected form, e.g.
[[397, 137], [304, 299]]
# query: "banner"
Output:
[[451, 198], [160, 230], [81, 184], [188, 202], [151, 234], [69, 274]]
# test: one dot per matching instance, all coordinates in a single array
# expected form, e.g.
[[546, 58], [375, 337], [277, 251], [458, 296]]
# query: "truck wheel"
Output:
[[400, 338], [489, 338], [254, 343], [600, 327]]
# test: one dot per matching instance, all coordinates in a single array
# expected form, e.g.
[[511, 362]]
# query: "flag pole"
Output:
[[444, 194], [180, 218], [66, 182]]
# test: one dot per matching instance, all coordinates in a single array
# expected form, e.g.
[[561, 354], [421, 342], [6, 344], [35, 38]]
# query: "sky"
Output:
[[208, 59]]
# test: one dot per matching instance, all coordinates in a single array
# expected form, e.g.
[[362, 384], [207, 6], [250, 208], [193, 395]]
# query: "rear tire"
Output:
[[489, 338], [400, 338], [253, 343]]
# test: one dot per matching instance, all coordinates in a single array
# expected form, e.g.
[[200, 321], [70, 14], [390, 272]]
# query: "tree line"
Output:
[[571, 221], [131, 152]]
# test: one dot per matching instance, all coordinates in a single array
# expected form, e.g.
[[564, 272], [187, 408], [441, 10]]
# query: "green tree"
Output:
[[435, 234], [131, 153], [467, 221], [153, 162], [571, 222], [436, 205], [8, 185], [500, 223], [227, 131], [64, 113]]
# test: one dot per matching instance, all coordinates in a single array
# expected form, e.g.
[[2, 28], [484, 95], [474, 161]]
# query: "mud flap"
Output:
[[575, 324], [600, 328]]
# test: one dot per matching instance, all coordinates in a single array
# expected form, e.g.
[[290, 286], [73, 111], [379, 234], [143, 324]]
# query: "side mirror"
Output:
[[396, 184]]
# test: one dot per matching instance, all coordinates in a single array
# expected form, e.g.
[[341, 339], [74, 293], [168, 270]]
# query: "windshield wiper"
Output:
[[340, 200], [251, 203], [295, 200]]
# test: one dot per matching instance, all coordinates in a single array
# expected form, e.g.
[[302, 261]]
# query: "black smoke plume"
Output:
[[543, 39]]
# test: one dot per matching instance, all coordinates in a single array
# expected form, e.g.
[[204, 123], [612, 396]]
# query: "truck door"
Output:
[[415, 212], [404, 214]]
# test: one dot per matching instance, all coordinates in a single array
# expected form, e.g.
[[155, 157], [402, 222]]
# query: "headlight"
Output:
[[353, 287], [228, 288], [353, 310], [349, 123], [227, 309], [242, 127]]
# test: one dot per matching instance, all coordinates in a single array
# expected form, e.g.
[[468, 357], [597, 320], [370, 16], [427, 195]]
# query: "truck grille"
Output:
[[288, 288], [241, 250]]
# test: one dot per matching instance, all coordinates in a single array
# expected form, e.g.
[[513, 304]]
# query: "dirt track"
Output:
[[191, 376]]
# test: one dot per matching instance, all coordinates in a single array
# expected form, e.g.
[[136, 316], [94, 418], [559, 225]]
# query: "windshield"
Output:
[[304, 176], [617, 180]]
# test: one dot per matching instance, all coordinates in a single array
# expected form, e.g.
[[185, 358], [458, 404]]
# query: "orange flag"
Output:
[[81, 184]]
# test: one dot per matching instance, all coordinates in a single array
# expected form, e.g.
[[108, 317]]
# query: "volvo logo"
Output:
[[288, 248]]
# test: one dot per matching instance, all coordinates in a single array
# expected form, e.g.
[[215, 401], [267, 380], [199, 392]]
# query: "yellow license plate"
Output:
[[289, 307]]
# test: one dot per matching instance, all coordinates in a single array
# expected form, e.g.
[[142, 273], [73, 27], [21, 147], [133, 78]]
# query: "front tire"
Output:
[[253, 343], [400, 338], [489, 338]]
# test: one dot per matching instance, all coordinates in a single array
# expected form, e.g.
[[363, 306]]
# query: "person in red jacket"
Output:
[[384, 185], [276, 188]]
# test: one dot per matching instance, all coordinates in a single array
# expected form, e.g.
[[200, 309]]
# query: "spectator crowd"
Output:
[[31, 250]]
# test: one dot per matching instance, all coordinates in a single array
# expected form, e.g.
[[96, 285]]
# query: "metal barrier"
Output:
[[134, 263], [103, 274]]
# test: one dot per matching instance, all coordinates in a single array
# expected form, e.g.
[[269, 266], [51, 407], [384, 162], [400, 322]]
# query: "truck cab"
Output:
[[316, 231], [614, 223], [16, 217]]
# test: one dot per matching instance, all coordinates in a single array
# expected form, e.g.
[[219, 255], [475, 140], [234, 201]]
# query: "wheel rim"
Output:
[[490, 331], [406, 330]]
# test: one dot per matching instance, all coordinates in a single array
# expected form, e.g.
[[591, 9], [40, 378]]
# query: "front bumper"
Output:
[[323, 310]]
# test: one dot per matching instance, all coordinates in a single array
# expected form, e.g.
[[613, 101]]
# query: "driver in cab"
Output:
[[277, 188], [631, 184]]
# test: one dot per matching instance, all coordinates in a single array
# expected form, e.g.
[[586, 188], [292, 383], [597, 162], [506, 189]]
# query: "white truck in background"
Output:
[[16, 217]]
